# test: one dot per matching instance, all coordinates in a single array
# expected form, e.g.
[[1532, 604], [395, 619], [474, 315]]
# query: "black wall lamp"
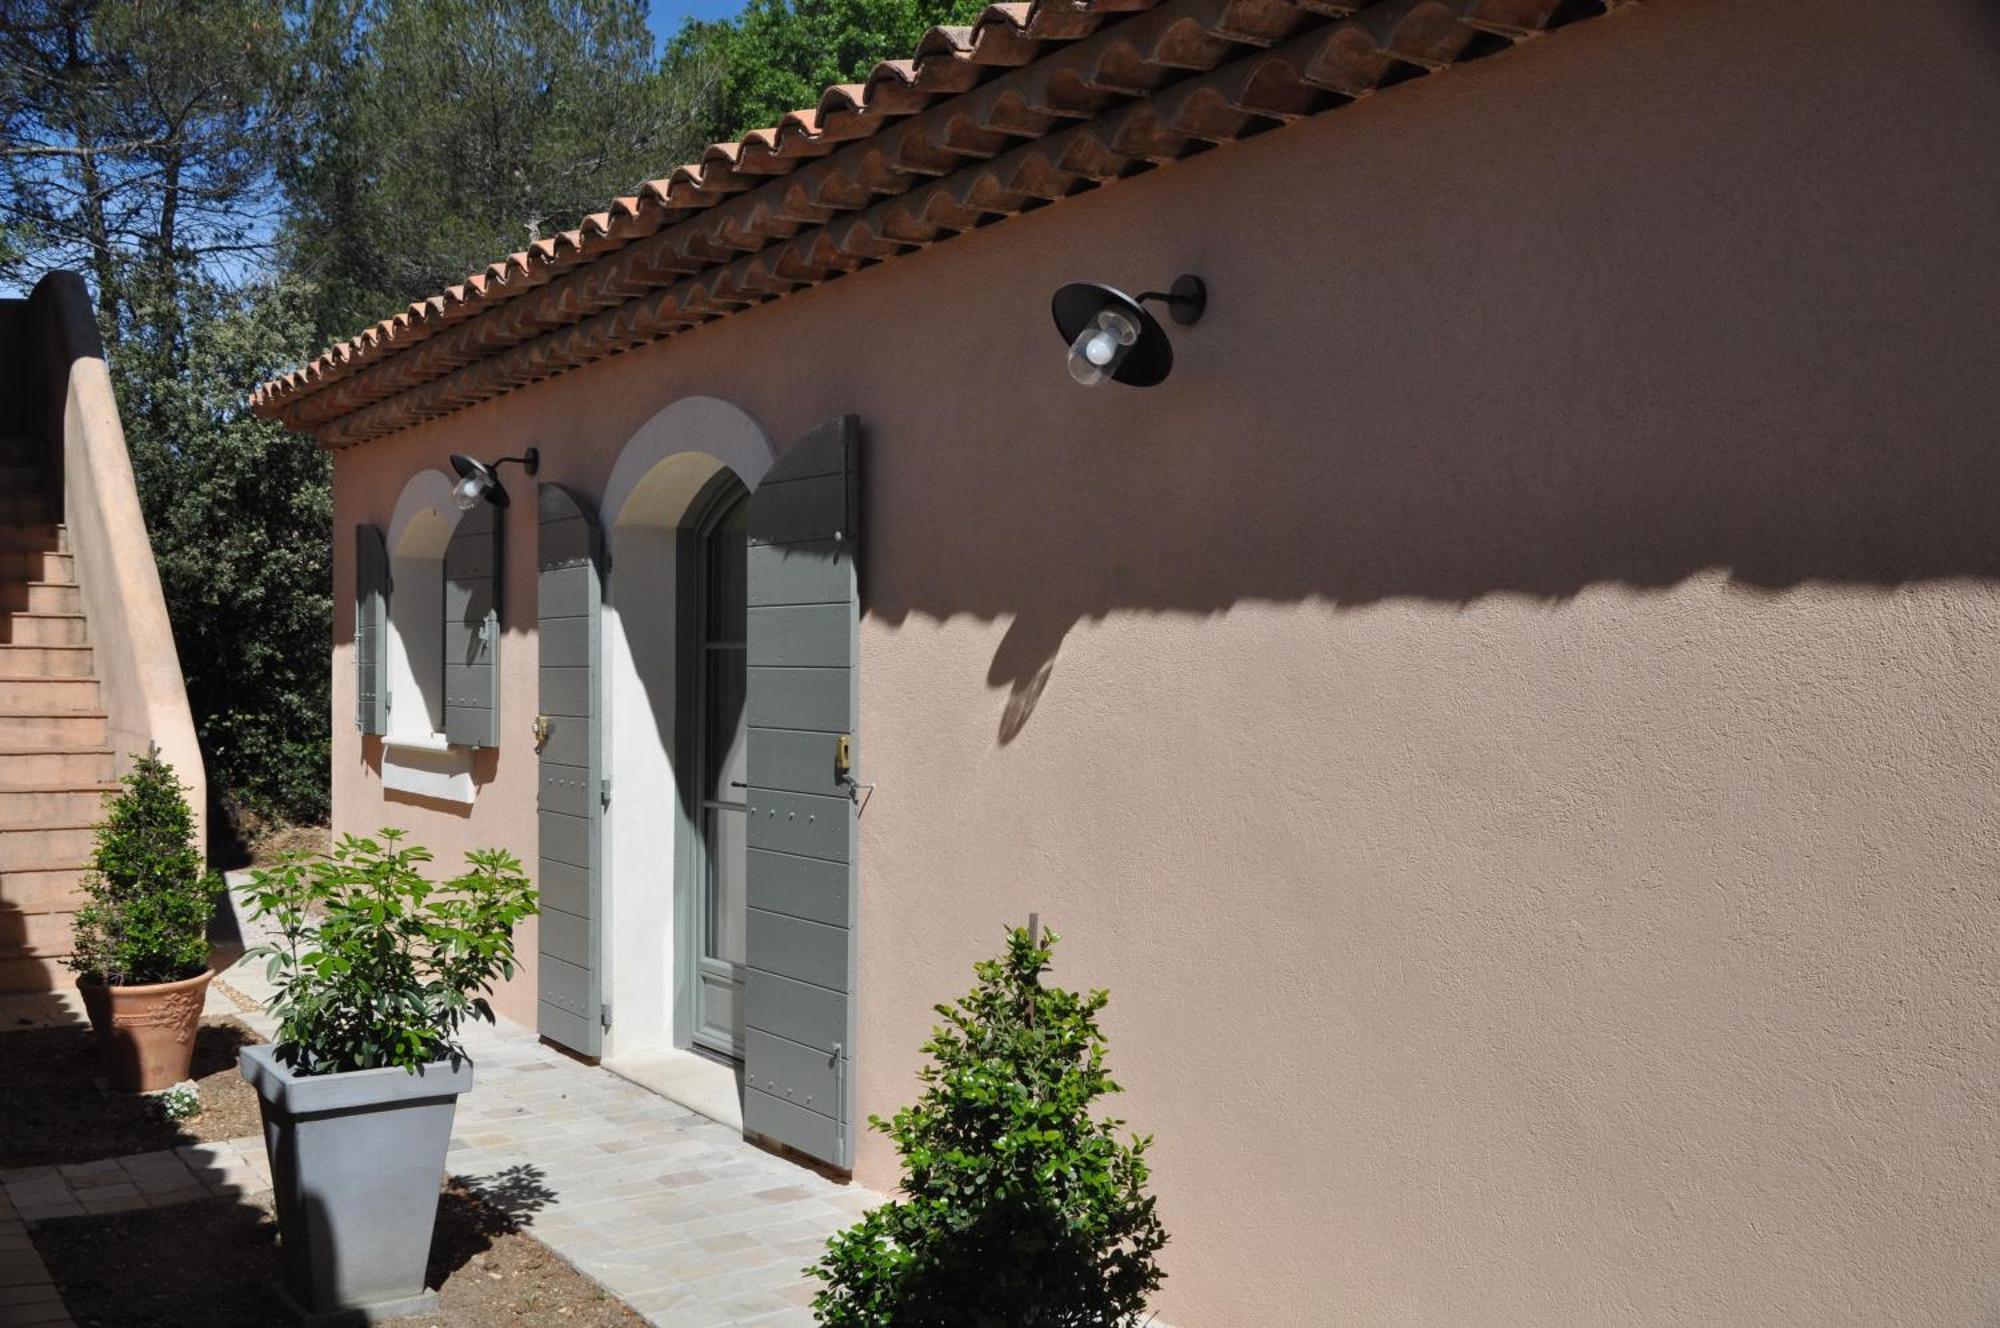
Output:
[[1111, 336], [478, 480]]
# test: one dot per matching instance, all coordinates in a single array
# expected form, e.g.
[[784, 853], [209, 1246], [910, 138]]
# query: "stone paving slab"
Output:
[[672, 1212], [144, 1180], [28, 1298]]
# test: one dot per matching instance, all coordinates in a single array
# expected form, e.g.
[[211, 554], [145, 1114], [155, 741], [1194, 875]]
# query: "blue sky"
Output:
[[667, 14]]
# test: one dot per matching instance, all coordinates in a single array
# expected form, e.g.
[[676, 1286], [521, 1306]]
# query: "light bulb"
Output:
[[1082, 370], [1101, 348], [467, 493]]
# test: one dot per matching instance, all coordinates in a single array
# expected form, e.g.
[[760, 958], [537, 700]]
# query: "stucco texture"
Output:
[[1510, 720]]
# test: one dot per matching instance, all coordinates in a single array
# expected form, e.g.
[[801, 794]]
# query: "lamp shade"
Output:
[[476, 480], [1095, 321]]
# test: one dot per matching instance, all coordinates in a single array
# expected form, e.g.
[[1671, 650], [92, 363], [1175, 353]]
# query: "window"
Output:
[[427, 638]]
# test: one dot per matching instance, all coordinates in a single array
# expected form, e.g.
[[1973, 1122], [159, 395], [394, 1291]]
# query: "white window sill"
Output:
[[428, 766]]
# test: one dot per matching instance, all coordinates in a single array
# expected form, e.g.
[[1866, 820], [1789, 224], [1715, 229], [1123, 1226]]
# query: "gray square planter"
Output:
[[357, 1160]]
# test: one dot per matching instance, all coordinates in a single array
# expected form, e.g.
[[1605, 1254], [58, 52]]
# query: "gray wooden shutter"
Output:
[[803, 702], [371, 630], [472, 630], [569, 582]]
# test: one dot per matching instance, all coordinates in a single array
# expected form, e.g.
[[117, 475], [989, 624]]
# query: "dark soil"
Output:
[[213, 1263], [52, 1110]]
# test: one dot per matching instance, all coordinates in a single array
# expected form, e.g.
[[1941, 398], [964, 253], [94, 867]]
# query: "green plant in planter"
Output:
[[1017, 1207], [150, 894], [375, 964]]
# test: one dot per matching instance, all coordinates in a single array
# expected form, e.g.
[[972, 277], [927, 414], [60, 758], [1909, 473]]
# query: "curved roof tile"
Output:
[[1027, 104]]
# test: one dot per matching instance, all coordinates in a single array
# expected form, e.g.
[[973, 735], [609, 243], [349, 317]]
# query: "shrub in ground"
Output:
[[1018, 1209]]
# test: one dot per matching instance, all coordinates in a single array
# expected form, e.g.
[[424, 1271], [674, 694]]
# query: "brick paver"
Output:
[[144, 1180], [28, 1299]]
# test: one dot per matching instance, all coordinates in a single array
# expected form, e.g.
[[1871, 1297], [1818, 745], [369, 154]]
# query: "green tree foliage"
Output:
[[779, 55], [1018, 1208], [449, 133], [149, 896], [136, 138], [239, 512], [375, 964], [136, 143], [245, 180]]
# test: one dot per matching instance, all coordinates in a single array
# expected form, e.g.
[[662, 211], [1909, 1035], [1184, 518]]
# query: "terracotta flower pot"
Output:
[[146, 1033]]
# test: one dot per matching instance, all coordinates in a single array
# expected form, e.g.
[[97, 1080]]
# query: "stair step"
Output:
[[39, 597], [18, 475], [47, 661], [24, 767], [47, 890], [40, 695], [20, 508], [36, 808], [34, 975], [45, 847], [33, 536], [18, 449], [43, 629], [36, 935], [55, 733], [38, 565]]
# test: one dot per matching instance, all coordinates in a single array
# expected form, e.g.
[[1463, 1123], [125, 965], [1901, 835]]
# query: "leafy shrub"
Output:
[[1018, 1208], [376, 965], [150, 895]]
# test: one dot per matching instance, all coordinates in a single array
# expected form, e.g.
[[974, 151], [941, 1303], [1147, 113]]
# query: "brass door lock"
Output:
[[843, 758], [542, 727]]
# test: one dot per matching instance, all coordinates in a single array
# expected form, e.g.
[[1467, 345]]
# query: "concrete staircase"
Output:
[[56, 763], [89, 675]]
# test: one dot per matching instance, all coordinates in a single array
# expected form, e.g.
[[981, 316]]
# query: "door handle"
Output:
[[542, 727]]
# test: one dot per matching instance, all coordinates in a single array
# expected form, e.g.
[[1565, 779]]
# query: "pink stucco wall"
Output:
[[1511, 720]]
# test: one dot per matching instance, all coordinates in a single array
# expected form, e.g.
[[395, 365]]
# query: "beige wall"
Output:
[[1511, 720]]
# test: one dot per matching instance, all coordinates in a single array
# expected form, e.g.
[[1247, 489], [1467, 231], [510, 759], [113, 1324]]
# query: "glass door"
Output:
[[722, 896]]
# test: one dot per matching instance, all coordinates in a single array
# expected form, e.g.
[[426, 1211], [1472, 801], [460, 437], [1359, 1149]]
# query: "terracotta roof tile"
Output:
[[1027, 104]]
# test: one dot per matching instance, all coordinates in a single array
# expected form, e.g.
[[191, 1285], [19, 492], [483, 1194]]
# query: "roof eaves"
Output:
[[822, 194]]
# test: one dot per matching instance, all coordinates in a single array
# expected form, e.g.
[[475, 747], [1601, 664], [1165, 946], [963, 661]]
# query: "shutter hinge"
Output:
[[604, 791], [604, 1015]]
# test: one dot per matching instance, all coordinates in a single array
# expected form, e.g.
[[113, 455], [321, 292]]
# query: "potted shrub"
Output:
[[1016, 1207], [141, 951], [376, 968]]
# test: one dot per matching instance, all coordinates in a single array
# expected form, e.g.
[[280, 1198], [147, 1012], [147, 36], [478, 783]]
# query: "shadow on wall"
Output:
[[1549, 360], [485, 765]]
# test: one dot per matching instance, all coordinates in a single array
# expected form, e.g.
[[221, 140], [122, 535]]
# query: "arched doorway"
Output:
[[673, 648]]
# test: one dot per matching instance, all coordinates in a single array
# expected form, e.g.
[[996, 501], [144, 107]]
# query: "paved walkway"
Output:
[[28, 1299], [143, 1180], [671, 1212]]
